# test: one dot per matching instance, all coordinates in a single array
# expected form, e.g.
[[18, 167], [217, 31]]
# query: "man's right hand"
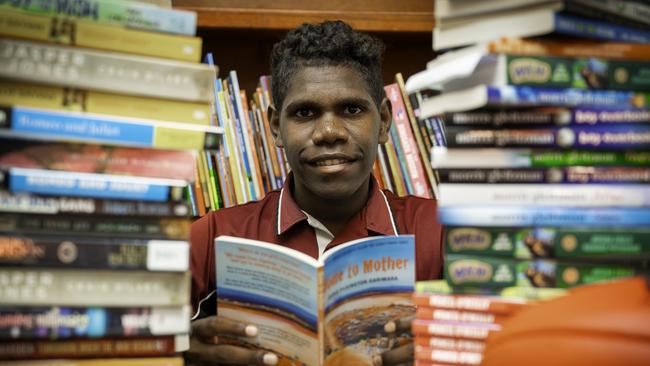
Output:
[[205, 348]]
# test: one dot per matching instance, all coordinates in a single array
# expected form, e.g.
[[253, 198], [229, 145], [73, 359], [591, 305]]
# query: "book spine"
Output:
[[409, 148], [122, 361], [565, 175], [484, 304], [558, 195], [630, 13], [477, 215], [435, 355], [74, 184], [524, 158], [613, 137], [117, 13], [400, 161], [233, 153], [111, 130], [85, 158], [88, 348], [431, 313], [38, 204], [106, 71], [540, 117], [582, 27], [583, 73], [67, 99], [79, 287], [168, 228], [481, 271], [611, 50], [449, 343], [569, 97], [59, 323], [455, 330], [548, 242], [86, 34], [241, 139]]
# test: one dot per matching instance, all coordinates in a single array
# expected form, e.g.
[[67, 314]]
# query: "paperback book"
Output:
[[318, 312]]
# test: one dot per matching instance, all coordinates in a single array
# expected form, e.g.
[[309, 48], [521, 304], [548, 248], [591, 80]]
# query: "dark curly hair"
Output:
[[329, 43]]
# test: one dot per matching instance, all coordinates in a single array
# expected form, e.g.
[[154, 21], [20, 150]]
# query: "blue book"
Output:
[[240, 123], [400, 159], [55, 125], [526, 96], [543, 216], [75, 184]]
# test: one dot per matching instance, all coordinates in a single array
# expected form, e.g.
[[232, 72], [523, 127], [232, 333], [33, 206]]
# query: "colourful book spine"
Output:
[[570, 48], [87, 34], [113, 130], [476, 215], [59, 323], [117, 227], [565, 175], [395, 170], [203, 195], [410, 152], [79, 252], [67, 99], [75, 184], [53, 205], [613, 137], [531, 96], [212, 181], [232, 152], [114, 12], [582, 27], [401, 162]]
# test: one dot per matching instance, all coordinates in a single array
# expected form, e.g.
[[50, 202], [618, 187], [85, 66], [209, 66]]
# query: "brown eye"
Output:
[[352, 109], [304, 113]]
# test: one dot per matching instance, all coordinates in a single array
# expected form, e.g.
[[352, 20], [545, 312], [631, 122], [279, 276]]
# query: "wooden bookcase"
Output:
[[241, 33]]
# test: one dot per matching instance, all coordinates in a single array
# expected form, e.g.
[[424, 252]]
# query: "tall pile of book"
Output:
[[544, 179], [103, 105]]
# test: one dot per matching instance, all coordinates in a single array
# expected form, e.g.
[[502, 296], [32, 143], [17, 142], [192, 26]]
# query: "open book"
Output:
[[312, 312]]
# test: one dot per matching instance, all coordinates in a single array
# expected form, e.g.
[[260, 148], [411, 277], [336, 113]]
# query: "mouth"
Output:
[[330, 162]]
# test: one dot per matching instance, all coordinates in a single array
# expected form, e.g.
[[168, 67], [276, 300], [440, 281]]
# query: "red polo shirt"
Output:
[[277, 219]]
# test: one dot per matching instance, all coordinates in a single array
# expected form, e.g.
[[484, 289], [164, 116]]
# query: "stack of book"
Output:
[[102, 106], [544, 179]]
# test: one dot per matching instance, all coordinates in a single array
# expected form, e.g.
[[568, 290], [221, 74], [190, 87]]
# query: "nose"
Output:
[[329, 130]]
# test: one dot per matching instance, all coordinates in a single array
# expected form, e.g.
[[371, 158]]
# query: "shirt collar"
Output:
[[377, 212]]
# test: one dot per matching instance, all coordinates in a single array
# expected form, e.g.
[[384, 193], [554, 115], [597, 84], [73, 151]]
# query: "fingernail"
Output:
[[377, 361], [215, 340], [270, 359], [251, 330], [390, 327]]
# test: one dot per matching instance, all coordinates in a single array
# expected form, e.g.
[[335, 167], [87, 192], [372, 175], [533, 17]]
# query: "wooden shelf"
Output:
[[364, 15]]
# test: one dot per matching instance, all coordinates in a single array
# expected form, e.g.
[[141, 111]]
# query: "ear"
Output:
[[274, 121], [385, 116]]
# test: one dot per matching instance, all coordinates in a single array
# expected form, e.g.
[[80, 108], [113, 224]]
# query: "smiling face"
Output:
[[329, 127]]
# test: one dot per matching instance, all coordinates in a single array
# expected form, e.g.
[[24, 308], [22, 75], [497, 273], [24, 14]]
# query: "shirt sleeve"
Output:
[[202, 234]]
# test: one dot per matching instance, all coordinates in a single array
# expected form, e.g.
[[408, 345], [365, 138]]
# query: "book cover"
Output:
[[141, 361], [613, 137], [490, 215], [318, 312], [59, 323], [550, 116], [482, 271], [441, 157], [106, 71], [565, 175], [53, 125], [119, 13], [56, 205], [120, 227], [498, 300], [594, 243], [64, 30], [91, 287]]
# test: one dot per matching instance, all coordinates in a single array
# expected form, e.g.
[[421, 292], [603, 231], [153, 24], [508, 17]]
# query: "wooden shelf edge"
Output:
[[286, 19]]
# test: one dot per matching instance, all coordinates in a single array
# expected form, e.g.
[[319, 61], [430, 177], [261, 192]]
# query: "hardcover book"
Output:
[[318, 312]]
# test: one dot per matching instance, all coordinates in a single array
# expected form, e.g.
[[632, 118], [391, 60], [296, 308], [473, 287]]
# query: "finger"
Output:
[[207, 328], [399, 325], [206, 354], [397, 356]]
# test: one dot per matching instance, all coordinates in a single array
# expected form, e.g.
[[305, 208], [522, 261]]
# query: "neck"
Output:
[[333, 213]]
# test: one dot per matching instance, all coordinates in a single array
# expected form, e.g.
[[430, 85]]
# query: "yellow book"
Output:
[[233, 152], [398, 179], [66, 99], [88, 34]]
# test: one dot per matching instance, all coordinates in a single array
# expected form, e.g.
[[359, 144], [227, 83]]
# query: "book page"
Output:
[[367, 283], [274, 288]]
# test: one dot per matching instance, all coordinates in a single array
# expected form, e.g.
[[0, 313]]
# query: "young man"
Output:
[[329, 115]]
